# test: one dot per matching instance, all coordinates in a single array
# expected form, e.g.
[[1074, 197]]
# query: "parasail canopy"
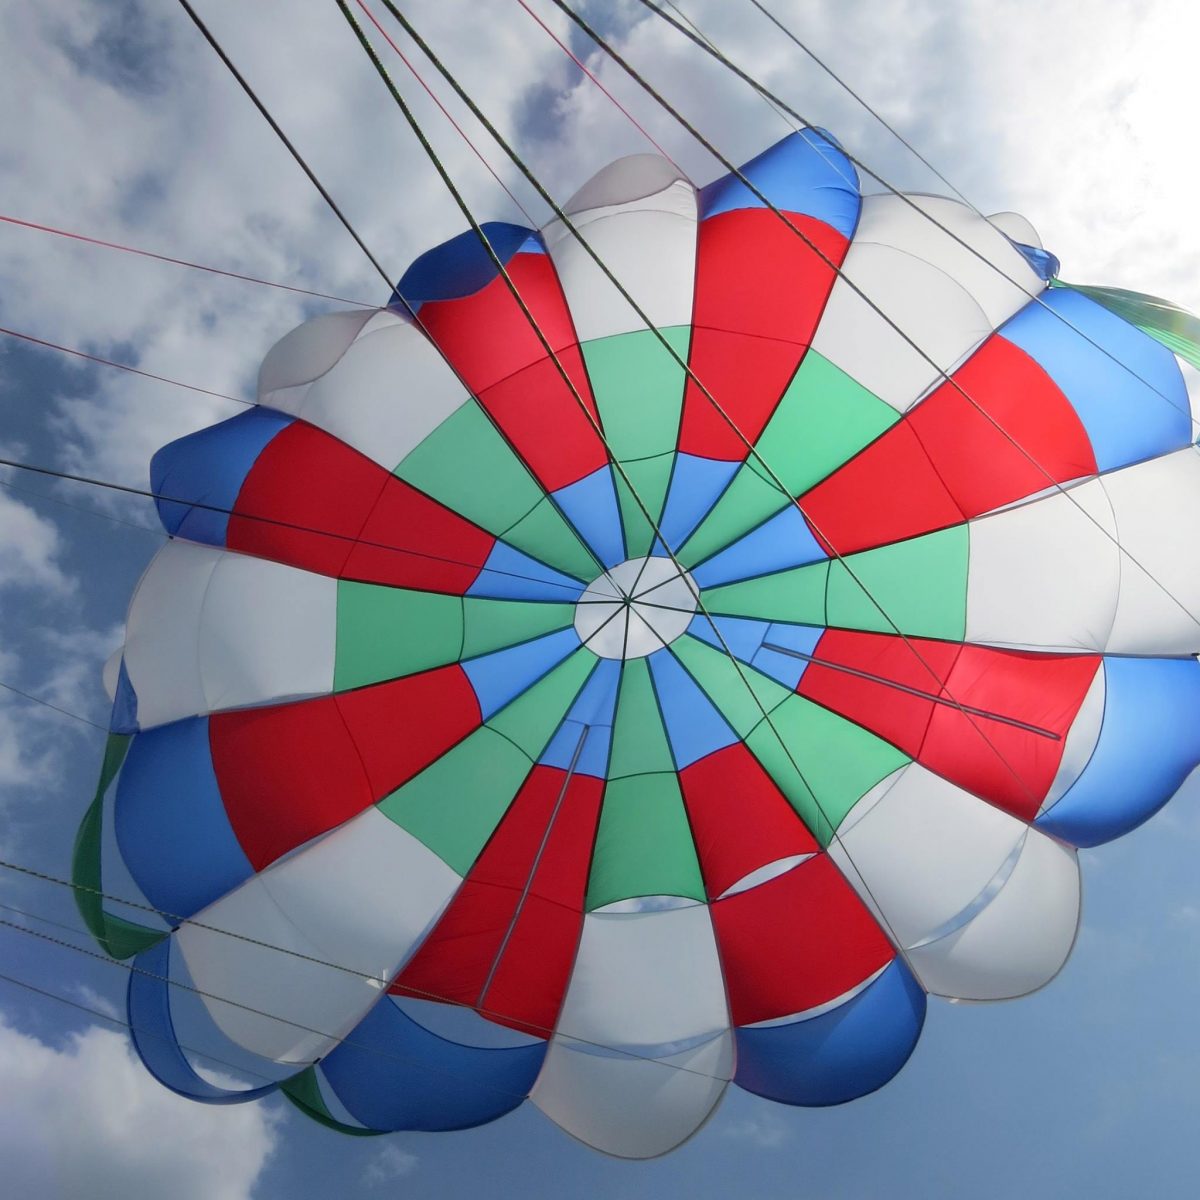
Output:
[[673, 708]]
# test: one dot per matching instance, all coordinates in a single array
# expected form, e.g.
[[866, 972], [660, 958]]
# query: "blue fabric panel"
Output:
[[742, 635], [783, 667], [510, 574], [209, 467], [1042, 261], [590, 504], [593, 707], [1133, 408], [170, 821], [694, 727], [392, 1074], [696, 485], [780, 542], [124, 717], [840, 1055], [1149, 743], [503, 675], [803, 173], [462, 266], [148, 1005]]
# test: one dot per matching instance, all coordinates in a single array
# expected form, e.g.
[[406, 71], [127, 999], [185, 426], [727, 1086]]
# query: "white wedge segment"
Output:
[[382, 394], [633, 1107], [362, 897], [1020, 939], [1046, 574], [636, 205], [924, 851], [1158, 611], [941, 296], [648, 987], [209, 629]]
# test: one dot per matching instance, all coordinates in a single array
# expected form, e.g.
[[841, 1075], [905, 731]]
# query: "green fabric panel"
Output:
[[824, 418], [117, 937], [531, 719], [494, 624], [304, 1092], [650, 478], [455, 804], [385, 633], [739, 692], [838, 761], [544, 533], [797, 596], [467, 466], [638, 387], [921, 584], [644, 844], [1174, 327], [639, 741]]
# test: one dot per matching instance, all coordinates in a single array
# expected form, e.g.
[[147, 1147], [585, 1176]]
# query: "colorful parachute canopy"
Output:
[[519, 774]]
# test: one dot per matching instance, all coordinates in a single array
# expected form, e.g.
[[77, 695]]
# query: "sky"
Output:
[[121, 124]]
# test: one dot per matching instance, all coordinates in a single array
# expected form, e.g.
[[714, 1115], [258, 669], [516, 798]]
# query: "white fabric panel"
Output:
[[931, 288], [640, 219], [648, 983], [1017, 227], [1154, 504], [1046, 574], [1081, 740], [924, 852], [309, 350], [1020, 940], [645, 979], [633, 1107], [160, 632], [210, 629], [267, 632], [633, 177], [383, 393], [362, 897]]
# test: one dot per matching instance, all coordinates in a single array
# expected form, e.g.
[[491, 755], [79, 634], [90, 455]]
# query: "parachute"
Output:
[[666, 686]]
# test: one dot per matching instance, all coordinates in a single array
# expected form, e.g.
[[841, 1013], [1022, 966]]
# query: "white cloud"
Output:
[[91, 1122], [30, 548], [390, 1163], [762, 1129]]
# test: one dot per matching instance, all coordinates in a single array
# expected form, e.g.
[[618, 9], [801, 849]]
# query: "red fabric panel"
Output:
[[740, 820], [1010, 766], [760, 291], [952, 458], [492, 345], [288, 772], [896, 716], [530, 980], [326, 496], [799, 940], [541, 418]]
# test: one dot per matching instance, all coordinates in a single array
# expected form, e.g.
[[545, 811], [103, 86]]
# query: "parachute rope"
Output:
[[180, 262]]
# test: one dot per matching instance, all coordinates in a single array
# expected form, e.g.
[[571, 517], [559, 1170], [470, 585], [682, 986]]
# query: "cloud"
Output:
[[91, 1122], [762, 1129], [390, 1163], [30, 548]]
